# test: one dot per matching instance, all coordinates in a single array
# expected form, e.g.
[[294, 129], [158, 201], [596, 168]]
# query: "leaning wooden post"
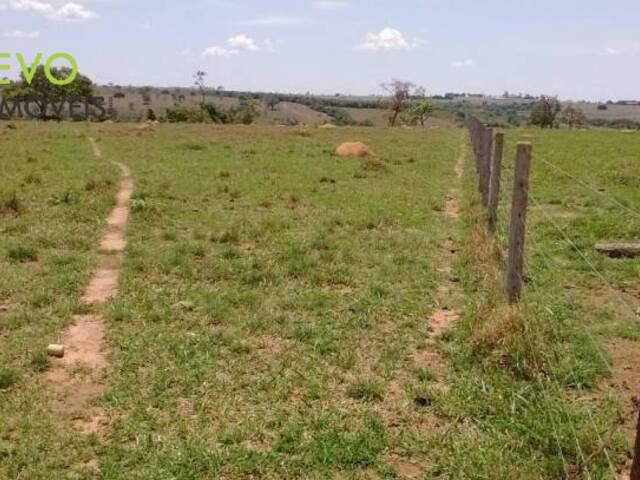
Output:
[[494, 182], [517, 231]]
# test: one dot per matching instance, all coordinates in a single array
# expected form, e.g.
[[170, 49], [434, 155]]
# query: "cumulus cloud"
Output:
[[73, 12], [242, 42], [463, 63], [238, 44], [69, 11], [21, 34], [387, 40], [32, 5], [330, 4]]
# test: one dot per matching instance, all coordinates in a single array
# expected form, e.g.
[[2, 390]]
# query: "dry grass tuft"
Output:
[[507, 335]]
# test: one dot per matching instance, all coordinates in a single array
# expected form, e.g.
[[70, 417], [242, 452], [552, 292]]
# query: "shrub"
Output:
[[247, 112], [185, 114], [215, 114]]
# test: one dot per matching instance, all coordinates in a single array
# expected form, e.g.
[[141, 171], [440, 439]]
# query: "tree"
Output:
[[48, 94], [40, 86], [545, 111], [247, 112], [272, 101], [198, 80], [400, 92], [419, 113], [574, 117]]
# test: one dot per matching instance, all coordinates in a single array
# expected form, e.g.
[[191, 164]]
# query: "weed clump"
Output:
[[40, 361], [22, 253], [367, 390], [7, 378], [11, 204]]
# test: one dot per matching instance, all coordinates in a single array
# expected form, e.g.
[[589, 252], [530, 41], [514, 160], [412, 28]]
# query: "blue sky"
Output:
[[572, 48]]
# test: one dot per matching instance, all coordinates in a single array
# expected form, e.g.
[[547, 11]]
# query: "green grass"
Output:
[[275, 299], [295, 287], [524, 378]]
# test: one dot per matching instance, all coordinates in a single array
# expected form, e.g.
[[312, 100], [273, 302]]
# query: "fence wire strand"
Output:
[[549, 260], [502, 232]]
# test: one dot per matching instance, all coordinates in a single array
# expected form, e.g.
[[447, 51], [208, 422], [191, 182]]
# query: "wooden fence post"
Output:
[[480, 149], [485, 163], [635, 468], [494, 182], [517, 231]]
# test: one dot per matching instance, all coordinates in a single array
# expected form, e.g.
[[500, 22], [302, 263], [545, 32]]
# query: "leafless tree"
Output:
[[198, 80], [400, 94]]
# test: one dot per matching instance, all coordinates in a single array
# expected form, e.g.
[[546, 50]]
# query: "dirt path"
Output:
[[78, 379], [442, 319]]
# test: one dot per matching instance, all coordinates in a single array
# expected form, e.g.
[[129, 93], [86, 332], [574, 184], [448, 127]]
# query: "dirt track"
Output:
[[84, 340]]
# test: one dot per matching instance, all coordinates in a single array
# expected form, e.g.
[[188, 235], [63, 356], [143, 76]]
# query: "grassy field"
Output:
[[274, 312], [552, 377]]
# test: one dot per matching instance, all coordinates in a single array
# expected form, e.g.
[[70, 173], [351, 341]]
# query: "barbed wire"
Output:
[[595, 189], [572, 372], [584, 257]]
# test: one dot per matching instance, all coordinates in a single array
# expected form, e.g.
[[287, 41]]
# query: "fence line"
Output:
[[488, 151], [605, 361]]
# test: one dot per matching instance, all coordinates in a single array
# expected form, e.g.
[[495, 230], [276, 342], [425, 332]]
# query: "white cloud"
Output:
[[330, 4], [31, 5], [73, 12], [69, 11], [387, 40], [463, 63], [268, 21], [216, 51], [237, 44], [242, 42], [21, 34]]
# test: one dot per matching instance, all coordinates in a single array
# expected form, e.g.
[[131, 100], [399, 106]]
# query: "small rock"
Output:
[[183, 305], [54, 350]]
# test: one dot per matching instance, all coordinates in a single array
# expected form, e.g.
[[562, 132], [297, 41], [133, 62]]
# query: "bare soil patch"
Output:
[[78, 378]]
